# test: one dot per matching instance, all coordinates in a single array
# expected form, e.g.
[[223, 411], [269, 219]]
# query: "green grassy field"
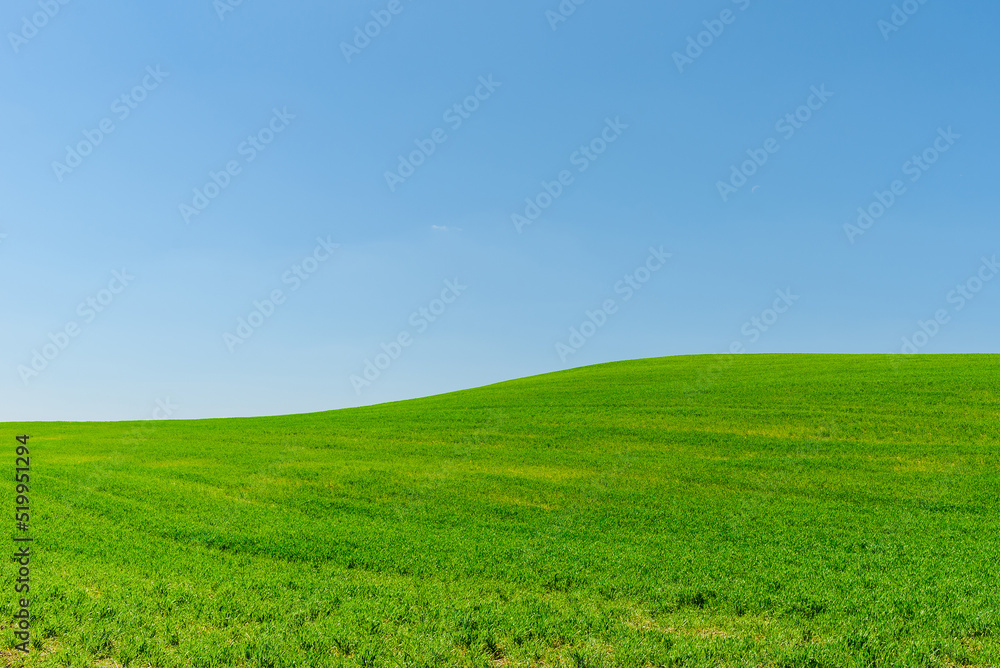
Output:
[[771, 510]]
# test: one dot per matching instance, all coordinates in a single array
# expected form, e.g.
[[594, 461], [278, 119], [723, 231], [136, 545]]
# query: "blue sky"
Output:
[[640, 136]]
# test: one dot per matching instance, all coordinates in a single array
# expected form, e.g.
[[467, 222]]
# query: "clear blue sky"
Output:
[[184, 86]]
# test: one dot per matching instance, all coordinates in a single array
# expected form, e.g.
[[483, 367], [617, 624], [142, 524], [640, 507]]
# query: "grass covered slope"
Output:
[[768, 510]]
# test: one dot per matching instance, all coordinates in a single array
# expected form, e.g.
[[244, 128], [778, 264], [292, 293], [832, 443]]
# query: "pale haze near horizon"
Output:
[[614, 119]]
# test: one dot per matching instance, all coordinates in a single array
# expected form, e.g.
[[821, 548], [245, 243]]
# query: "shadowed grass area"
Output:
[[767, 510]]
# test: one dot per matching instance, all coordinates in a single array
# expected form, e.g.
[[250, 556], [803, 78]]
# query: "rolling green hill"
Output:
[[767, 510]]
